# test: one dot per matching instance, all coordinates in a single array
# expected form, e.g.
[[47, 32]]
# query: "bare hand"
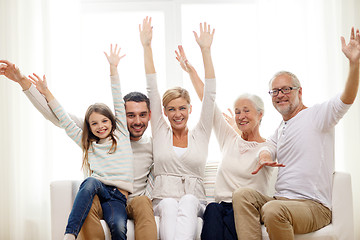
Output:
[[206, 36], [184, 63], [265, 160], [352, 49], [230, 119], [146, 32], [114, 56], [39, 83], [10, 71]]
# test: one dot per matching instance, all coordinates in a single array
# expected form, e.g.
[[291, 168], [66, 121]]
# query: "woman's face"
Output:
[[177, 111], [100, 125], [247, 118]]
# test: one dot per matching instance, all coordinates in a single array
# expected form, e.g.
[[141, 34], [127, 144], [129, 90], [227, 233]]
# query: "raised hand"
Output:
[[41, 85], [184, 63], [352, 49], [114, 56], [13, 73], [265, 160], [146, 32], [230, 119], [205, 38]]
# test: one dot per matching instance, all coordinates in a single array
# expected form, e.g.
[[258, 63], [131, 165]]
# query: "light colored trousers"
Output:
[[140, 209], [282, 217], [178, 219]]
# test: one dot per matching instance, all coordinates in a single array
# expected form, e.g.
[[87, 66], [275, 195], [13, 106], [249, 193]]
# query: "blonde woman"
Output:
[[179, 153]]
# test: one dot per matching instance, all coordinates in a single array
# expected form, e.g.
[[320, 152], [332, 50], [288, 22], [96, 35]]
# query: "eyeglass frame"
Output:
[[282, 90]]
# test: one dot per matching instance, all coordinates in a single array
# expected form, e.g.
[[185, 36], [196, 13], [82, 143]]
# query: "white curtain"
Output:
[[45, 36]]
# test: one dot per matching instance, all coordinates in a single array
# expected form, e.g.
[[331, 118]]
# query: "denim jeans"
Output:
[[219, 222], [113, 204]]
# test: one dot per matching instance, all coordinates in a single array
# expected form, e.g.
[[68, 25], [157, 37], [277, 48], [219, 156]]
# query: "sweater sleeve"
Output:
[[119, 105], [41, 105], [72, 130], [207, 108], [157, 119]]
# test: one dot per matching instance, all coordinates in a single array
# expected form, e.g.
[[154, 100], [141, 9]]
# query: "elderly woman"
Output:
[[244, 153], [179, 154]]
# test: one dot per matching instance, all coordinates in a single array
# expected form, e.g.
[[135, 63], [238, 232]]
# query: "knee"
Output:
[[273, 211], [89, 183], [212, 210], [242, 195], [141, 202], [212, 207], [140, 206], [168, 205], [189, 199]]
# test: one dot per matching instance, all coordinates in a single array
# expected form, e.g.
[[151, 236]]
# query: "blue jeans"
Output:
[[113, 204], [219, 223]]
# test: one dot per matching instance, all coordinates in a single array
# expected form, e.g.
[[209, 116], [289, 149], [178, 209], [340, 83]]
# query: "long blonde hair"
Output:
[[88, 137]]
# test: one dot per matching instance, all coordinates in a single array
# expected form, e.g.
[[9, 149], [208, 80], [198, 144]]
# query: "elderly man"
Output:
[[304, 143], [137, 107]]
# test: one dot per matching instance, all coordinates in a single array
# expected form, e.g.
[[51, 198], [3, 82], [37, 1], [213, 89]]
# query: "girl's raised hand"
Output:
[[205, 38], [41, 85], [114, 56]]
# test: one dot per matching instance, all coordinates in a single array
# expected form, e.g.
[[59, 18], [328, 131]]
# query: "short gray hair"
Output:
[[295, 80], [256, 100]]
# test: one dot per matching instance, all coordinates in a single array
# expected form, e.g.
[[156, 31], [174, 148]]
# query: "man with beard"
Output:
[[304, 143]]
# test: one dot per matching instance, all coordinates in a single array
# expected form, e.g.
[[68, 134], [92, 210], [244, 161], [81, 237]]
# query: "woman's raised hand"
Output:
[[146, 32], [205, 38], [114, 56], [184, 63]]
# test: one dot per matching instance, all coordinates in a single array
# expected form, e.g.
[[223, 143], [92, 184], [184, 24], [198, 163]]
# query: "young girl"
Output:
[[107, 155]]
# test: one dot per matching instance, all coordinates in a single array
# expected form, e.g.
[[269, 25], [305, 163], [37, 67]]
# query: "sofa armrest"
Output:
[[342, 206], [62, 195]]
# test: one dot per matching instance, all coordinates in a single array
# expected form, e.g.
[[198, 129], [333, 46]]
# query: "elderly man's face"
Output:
[[285, 104], [137, 117]]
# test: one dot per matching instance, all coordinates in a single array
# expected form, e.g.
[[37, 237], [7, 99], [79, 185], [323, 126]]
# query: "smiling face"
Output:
[[246, 116], [137, 118], [286, 104], [177, 111], [100, 125]]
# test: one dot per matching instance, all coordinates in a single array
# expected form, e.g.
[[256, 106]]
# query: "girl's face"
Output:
[[246, 116], [177, 111], [100, 125]]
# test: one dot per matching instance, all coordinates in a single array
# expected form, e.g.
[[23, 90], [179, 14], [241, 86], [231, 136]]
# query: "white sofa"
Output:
[[342, 226]]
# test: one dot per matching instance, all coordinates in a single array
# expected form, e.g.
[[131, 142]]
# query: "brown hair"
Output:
[[174, 93], [88, 137]]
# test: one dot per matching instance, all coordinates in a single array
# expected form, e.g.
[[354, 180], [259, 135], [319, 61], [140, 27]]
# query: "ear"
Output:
[[165, 112], [149, 115], [300, 94], [190, 109]]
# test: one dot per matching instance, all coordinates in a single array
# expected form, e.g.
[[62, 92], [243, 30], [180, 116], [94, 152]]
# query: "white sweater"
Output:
[[176, 176], [239, 159]]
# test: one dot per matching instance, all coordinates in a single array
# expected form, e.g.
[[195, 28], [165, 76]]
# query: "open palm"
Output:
[[352, 49]]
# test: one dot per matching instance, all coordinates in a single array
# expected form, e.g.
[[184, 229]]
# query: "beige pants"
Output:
[[282, 217], [140, 209]]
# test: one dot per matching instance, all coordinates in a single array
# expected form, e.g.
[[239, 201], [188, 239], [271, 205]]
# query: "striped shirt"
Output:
[[114, 169]]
